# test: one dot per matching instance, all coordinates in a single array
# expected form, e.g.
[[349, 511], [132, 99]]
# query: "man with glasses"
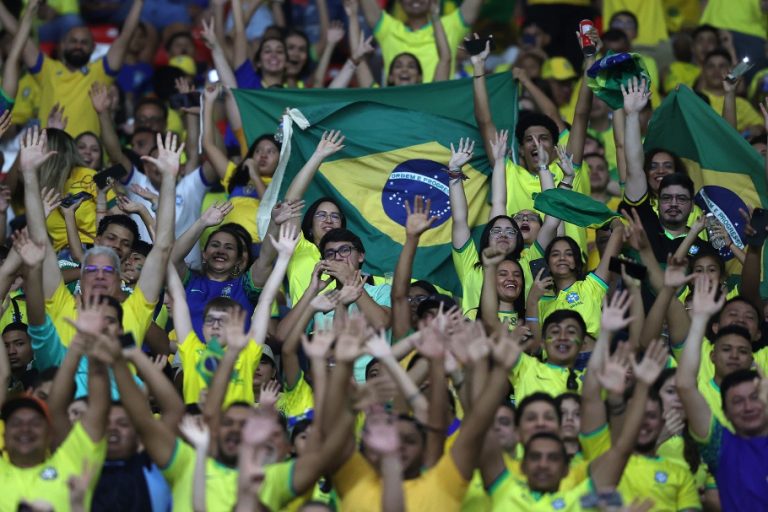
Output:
[[666, 229], [343, 256]]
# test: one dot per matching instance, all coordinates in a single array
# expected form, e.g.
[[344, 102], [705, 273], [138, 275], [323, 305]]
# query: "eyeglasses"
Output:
[[417, 299], [343, 251], [214, 320], [93, 269], [507, 232], [526, 217], [323, 216], [674, 198]]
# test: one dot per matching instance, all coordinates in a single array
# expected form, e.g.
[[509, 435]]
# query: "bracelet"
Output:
[[531, 319], [616, 409], [456, 174], [565, 185], [542, 168], [479, 76], [354, 62]]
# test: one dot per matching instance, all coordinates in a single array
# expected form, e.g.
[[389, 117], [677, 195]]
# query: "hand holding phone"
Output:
[[476, 46], [758, 222], [537, 265]]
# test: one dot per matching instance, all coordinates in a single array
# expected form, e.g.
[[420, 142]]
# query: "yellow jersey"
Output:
[[47, 481], [651, 25], [529, 376], [509, 493], [395, 37], [240, 388], [584, 296], [743, 16], [746, 115]]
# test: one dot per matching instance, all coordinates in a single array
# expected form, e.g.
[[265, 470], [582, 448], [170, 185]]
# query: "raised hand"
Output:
[[380, 434], [481, 57], [542, 157], [317, 284], [128, 206], [209, 34], [353, 288], [145, 193], [5, 122], [499, 146], [56, 118], [233, 330], [674, 423], [320, 346], [565, 161], [259, 428], [168, 154], [675, 274], [284, 211], [594, 38], [331, 142], [287, 240], [31, 253], [364, 48], [91, 318], [613, 375], [654, 361], [704, 303], [634, 233], [542, 285], [79, 484], [351, 7], [349, 338], [34, 150], [378, 346], [215, 214], [431, 343], [326, 302], [462, 155], [492, 256], [636, 95], [211, 93], [510, 345], [418, 220], [160, 361], [335, 32], [51, 200], [100, 98], [195, 432], [269, 395], [615, 311]]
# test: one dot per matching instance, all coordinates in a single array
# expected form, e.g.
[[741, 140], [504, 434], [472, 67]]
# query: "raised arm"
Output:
[[101, 102], [34, 152], [729, 102], [335, 34], [443, 69], [419, 220], [539, 97], [483, 116], [578, 132], [432, 345], [10, 79], [199, 436], [499, 146], [63, 389], [160, 387], [606, 470], [470, 10], [636, 96], [211, 217], [489, 297], [371, 12], [381, 436], [752, 268], [117, 49], [460, 232], [167, 161], [466, 450], [703, 307], [216, 157], [220, 62], [612, 249], [240, 51], [330, 143], [30, 51]]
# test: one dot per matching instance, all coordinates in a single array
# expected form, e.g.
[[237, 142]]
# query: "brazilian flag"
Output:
[[727, 172], [397, 147]]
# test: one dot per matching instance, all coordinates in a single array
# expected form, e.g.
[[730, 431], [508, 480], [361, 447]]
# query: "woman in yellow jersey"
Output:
[[89, 148], [574, 289], [503, 298]]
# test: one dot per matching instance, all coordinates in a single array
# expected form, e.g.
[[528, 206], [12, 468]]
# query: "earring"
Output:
[[236, 270]]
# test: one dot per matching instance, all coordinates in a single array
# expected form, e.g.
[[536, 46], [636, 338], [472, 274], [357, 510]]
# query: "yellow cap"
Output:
[[558, 68], [184, 63]]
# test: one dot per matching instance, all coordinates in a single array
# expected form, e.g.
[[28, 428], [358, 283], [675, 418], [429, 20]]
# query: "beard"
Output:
[[76, 58]]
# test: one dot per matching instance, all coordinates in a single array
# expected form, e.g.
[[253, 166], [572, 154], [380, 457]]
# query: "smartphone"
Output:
[[477, 46], [739, 70], [213, 76], [72, 199], [126, 340], [759, 222], [116, 172], [537, 265], [633, 269], [184, 100]]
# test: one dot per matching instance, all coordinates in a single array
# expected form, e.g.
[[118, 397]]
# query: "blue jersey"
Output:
[[201, 289]]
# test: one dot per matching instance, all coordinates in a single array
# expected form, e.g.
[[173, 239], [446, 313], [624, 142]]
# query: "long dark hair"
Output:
[[579, 261], [306, 222], [485, 238], [304, 71], [240, 176], [690, 449]]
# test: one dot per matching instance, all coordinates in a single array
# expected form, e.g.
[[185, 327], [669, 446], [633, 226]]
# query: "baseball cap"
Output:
[[184, 63], [24, 401], [558, 68], [267, 352]]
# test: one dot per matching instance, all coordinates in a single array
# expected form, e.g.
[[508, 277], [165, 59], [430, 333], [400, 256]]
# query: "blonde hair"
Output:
[[56, 170]]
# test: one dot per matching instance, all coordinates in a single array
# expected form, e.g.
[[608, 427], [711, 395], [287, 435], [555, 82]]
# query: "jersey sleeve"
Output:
[[709, 447], [688, 495], [277, 489], [596, 443], [137, 314], [182, 462]]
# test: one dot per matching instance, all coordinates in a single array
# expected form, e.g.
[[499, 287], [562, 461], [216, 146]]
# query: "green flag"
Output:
[[727, 172], [391, 156], [574, 207], [262, 109]]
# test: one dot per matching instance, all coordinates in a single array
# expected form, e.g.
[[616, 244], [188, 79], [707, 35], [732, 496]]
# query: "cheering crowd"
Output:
[[161, 352]]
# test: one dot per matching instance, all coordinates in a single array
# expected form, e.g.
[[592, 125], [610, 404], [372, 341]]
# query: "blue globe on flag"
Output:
[[413, 178]]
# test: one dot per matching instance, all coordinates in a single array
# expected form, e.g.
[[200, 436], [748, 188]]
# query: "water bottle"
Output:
[[716, 239]]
